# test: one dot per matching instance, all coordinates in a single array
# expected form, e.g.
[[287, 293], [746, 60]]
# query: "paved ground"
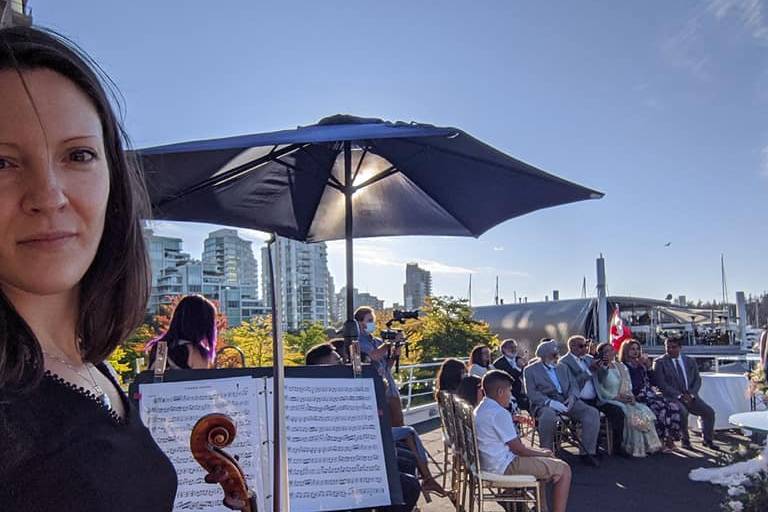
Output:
[[655, 484]]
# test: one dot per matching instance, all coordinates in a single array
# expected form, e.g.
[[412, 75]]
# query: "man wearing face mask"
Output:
[[552, 393], [382, 357]]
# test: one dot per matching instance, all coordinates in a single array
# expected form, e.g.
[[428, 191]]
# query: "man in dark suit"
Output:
[[584, 369], [677, 376], [508, 363]]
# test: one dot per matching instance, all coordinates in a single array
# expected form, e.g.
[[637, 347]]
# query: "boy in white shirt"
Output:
[[502, 451]]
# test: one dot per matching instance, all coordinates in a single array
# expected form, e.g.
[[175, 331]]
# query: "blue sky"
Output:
[[661, 105]]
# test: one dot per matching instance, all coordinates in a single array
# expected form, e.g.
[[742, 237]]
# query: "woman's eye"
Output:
[[82, 155], [5, 164]]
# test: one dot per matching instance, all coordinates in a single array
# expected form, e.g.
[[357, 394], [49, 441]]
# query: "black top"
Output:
[[62, 450]]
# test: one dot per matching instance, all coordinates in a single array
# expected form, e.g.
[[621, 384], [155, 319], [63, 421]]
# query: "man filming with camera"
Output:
[[382, 355]]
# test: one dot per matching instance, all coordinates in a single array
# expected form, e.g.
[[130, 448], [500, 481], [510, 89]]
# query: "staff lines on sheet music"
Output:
[[334, 482]]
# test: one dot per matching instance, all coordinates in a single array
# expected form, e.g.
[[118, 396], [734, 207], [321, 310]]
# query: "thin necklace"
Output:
[[101, 396]]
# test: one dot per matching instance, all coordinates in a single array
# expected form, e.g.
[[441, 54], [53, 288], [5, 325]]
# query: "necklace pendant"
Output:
[[105, 401]]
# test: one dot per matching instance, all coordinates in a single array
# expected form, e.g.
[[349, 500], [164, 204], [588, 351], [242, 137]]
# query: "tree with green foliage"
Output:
[[311, 334], [446, 329]]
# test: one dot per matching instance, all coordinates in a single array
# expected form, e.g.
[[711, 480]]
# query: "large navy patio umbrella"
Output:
[[349, 177]]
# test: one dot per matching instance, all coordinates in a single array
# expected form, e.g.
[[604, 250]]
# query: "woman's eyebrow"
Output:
[[78, 137], [9, 144]]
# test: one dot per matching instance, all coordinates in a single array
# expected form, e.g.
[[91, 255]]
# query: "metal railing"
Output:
[[411, 376]]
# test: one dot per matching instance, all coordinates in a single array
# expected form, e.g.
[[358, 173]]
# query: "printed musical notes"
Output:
[[171, 409], [335, 453], [333, 439]]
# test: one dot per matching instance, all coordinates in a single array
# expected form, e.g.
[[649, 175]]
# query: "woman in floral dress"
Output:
[[668, 417]]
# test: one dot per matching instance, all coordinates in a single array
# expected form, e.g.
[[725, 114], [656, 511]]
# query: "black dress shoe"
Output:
[[686, 444], [590, 460], [711, 445]]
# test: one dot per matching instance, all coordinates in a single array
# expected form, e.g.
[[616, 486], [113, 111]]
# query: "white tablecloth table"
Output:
[[756, 421], [727, 394]]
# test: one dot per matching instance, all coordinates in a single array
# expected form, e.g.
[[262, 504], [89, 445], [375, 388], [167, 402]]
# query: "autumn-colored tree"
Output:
[[254, 338], [124, 357]]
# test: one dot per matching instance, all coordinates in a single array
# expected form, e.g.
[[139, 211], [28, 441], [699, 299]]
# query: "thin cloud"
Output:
[[498, 249], [683, 50], [374, 253], [749, 12]]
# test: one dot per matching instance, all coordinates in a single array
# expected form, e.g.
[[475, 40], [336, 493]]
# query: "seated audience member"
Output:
[[191, 335], [615, 387], [552, 392], [322, 354], [583, 368], [668, 416], [470, 390], [502, 451], [479, 361], [449, 376], [508, 362], [677, 376]]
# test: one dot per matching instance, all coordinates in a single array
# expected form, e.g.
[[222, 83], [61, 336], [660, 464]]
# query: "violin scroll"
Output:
[[210, 435]]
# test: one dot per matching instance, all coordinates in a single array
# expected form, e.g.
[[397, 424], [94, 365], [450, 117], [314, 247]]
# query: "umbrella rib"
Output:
[[232, 173], [370, 181], [359, 165]]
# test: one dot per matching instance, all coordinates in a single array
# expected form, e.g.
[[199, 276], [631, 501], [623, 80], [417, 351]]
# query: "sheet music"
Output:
[[170, 411], [335, 454]]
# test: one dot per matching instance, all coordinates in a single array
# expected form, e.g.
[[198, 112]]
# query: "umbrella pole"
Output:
[[350, 325], [279, 496]]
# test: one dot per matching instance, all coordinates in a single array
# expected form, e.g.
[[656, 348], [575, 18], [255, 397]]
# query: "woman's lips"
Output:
[[48, 241]]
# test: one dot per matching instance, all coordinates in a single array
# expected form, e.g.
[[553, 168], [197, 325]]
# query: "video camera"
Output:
[[391, 335]]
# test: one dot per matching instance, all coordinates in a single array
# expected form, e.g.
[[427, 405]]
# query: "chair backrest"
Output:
[[469, 437], [447, 422]]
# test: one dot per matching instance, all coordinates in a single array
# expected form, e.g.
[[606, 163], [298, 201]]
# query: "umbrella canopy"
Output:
[[407, 179]]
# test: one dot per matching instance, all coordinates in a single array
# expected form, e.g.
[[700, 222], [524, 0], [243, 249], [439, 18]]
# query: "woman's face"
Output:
[[54, 183], [485, 357], [609, 354], [633, 351]]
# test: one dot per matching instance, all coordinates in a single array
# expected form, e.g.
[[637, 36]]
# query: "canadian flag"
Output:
[[619, 332]]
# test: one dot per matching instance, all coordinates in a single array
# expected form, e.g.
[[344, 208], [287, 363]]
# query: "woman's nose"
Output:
[[44, 191]]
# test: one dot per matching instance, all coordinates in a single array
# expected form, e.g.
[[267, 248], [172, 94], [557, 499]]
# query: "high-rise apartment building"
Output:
[[175, 273], [358, 299], [226, 253], [303, 271], [417, 287], [165, 258]]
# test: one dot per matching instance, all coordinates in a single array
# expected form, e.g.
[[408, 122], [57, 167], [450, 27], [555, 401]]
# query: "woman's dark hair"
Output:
[[624, 349], [320, 353], [193, 324], [474, 356], [115, 288], [601, 348], [468, 389], [449, 376]]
